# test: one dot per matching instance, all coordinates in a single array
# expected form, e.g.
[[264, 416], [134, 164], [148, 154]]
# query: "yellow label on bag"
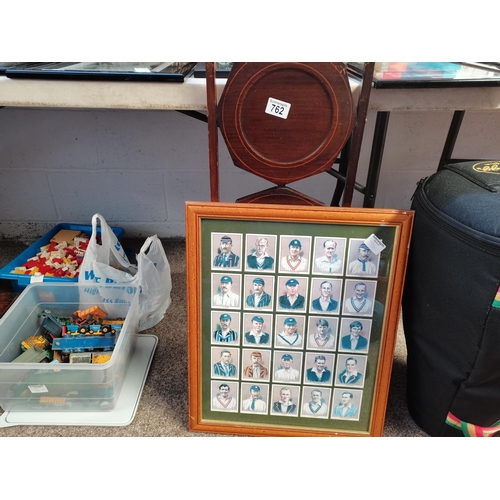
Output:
[[487, 167]]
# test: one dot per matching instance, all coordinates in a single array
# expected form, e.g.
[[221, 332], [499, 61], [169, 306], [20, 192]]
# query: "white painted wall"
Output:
[[137, 168]]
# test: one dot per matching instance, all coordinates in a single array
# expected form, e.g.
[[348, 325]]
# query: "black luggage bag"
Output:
[[451, 310]]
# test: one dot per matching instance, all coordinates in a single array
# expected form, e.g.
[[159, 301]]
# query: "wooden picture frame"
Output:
[[293, 348]]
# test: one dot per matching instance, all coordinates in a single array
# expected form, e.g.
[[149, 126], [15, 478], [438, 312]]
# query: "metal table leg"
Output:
[[377, 152], [451, 138]]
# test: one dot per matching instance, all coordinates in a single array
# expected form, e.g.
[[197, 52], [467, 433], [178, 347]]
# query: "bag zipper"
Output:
[[471, 178], [473, 237], [419, 184]]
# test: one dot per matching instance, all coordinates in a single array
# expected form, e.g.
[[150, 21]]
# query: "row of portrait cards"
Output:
[[297, 254], [286, 400]]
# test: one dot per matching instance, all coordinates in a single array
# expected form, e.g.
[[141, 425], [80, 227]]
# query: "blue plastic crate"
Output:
[[21, 281]]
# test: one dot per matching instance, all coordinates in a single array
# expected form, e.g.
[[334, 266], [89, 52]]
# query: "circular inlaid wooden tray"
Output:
[[286, 121]]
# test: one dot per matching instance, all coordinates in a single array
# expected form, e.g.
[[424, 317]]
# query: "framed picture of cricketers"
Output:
[[292, 317]]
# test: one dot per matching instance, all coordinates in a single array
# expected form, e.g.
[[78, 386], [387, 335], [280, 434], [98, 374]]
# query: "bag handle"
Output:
[[110, 248], [104, 228], [471, 430], [148, 243]]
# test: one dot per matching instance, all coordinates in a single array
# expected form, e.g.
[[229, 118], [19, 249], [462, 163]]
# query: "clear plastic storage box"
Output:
[[64, 386]]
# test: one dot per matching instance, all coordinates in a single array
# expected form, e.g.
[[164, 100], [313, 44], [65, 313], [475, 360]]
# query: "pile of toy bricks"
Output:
[[61, 258], [84, 337]]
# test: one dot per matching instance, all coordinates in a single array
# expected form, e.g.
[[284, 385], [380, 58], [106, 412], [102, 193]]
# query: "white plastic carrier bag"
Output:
[[108, 263]]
